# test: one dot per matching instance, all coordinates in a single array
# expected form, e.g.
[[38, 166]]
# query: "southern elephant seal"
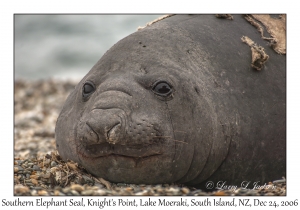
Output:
[[178, 101]]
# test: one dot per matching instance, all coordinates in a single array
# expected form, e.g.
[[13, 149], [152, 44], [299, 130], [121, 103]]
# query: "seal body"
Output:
[[178, 101]]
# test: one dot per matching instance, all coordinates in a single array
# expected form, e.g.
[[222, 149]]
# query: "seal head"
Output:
[[136, 116]]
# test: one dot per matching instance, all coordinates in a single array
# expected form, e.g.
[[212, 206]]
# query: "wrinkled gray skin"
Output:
[[219, 120]]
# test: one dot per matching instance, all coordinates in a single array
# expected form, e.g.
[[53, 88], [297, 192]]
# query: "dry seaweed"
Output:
[[276, 27], [259, 57], [154, 21], [225, 16]]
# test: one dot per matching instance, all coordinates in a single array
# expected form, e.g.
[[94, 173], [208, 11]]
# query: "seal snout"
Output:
[[105, 126]]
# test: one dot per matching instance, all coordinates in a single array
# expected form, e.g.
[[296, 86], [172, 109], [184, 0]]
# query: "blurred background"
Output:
[[67, 46], [51, 48]]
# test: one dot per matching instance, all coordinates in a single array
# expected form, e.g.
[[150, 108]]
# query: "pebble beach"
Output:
[[40, 171]]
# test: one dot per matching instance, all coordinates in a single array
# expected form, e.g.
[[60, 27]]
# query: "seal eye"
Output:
[[162, 88], [87, 89]]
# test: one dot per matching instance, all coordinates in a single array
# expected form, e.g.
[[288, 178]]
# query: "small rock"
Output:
[[160, 190], [117, 189], [87, 187], [99, 185], [47, 162], [46, 176], [36, 168], [136, 189], [33, 192], [27, 181], [185, 190], [197, 192], [87, 179], [53, 169], [66, 190], [74, 192], [37, 188], [34, 176], [219, 193], [100, 192], [77, 187], [72, 165], [129, 189], [42, 192], [144, 192], [19, 162], [53, 164], [34, 181], [126, 192], [252, 193], [20, 168], [57, 188], [48, 156], [94, 188], [25, 163], [87, 192], [242, 191], [172, 190], [121, 184], [58, 193], [21, 189], [27, 172]]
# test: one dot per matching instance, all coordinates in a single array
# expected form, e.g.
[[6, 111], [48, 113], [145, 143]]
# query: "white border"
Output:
[[8, 8]]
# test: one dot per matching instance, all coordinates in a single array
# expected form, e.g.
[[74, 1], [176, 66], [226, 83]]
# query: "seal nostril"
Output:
[[91, 133], [113, 133]]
